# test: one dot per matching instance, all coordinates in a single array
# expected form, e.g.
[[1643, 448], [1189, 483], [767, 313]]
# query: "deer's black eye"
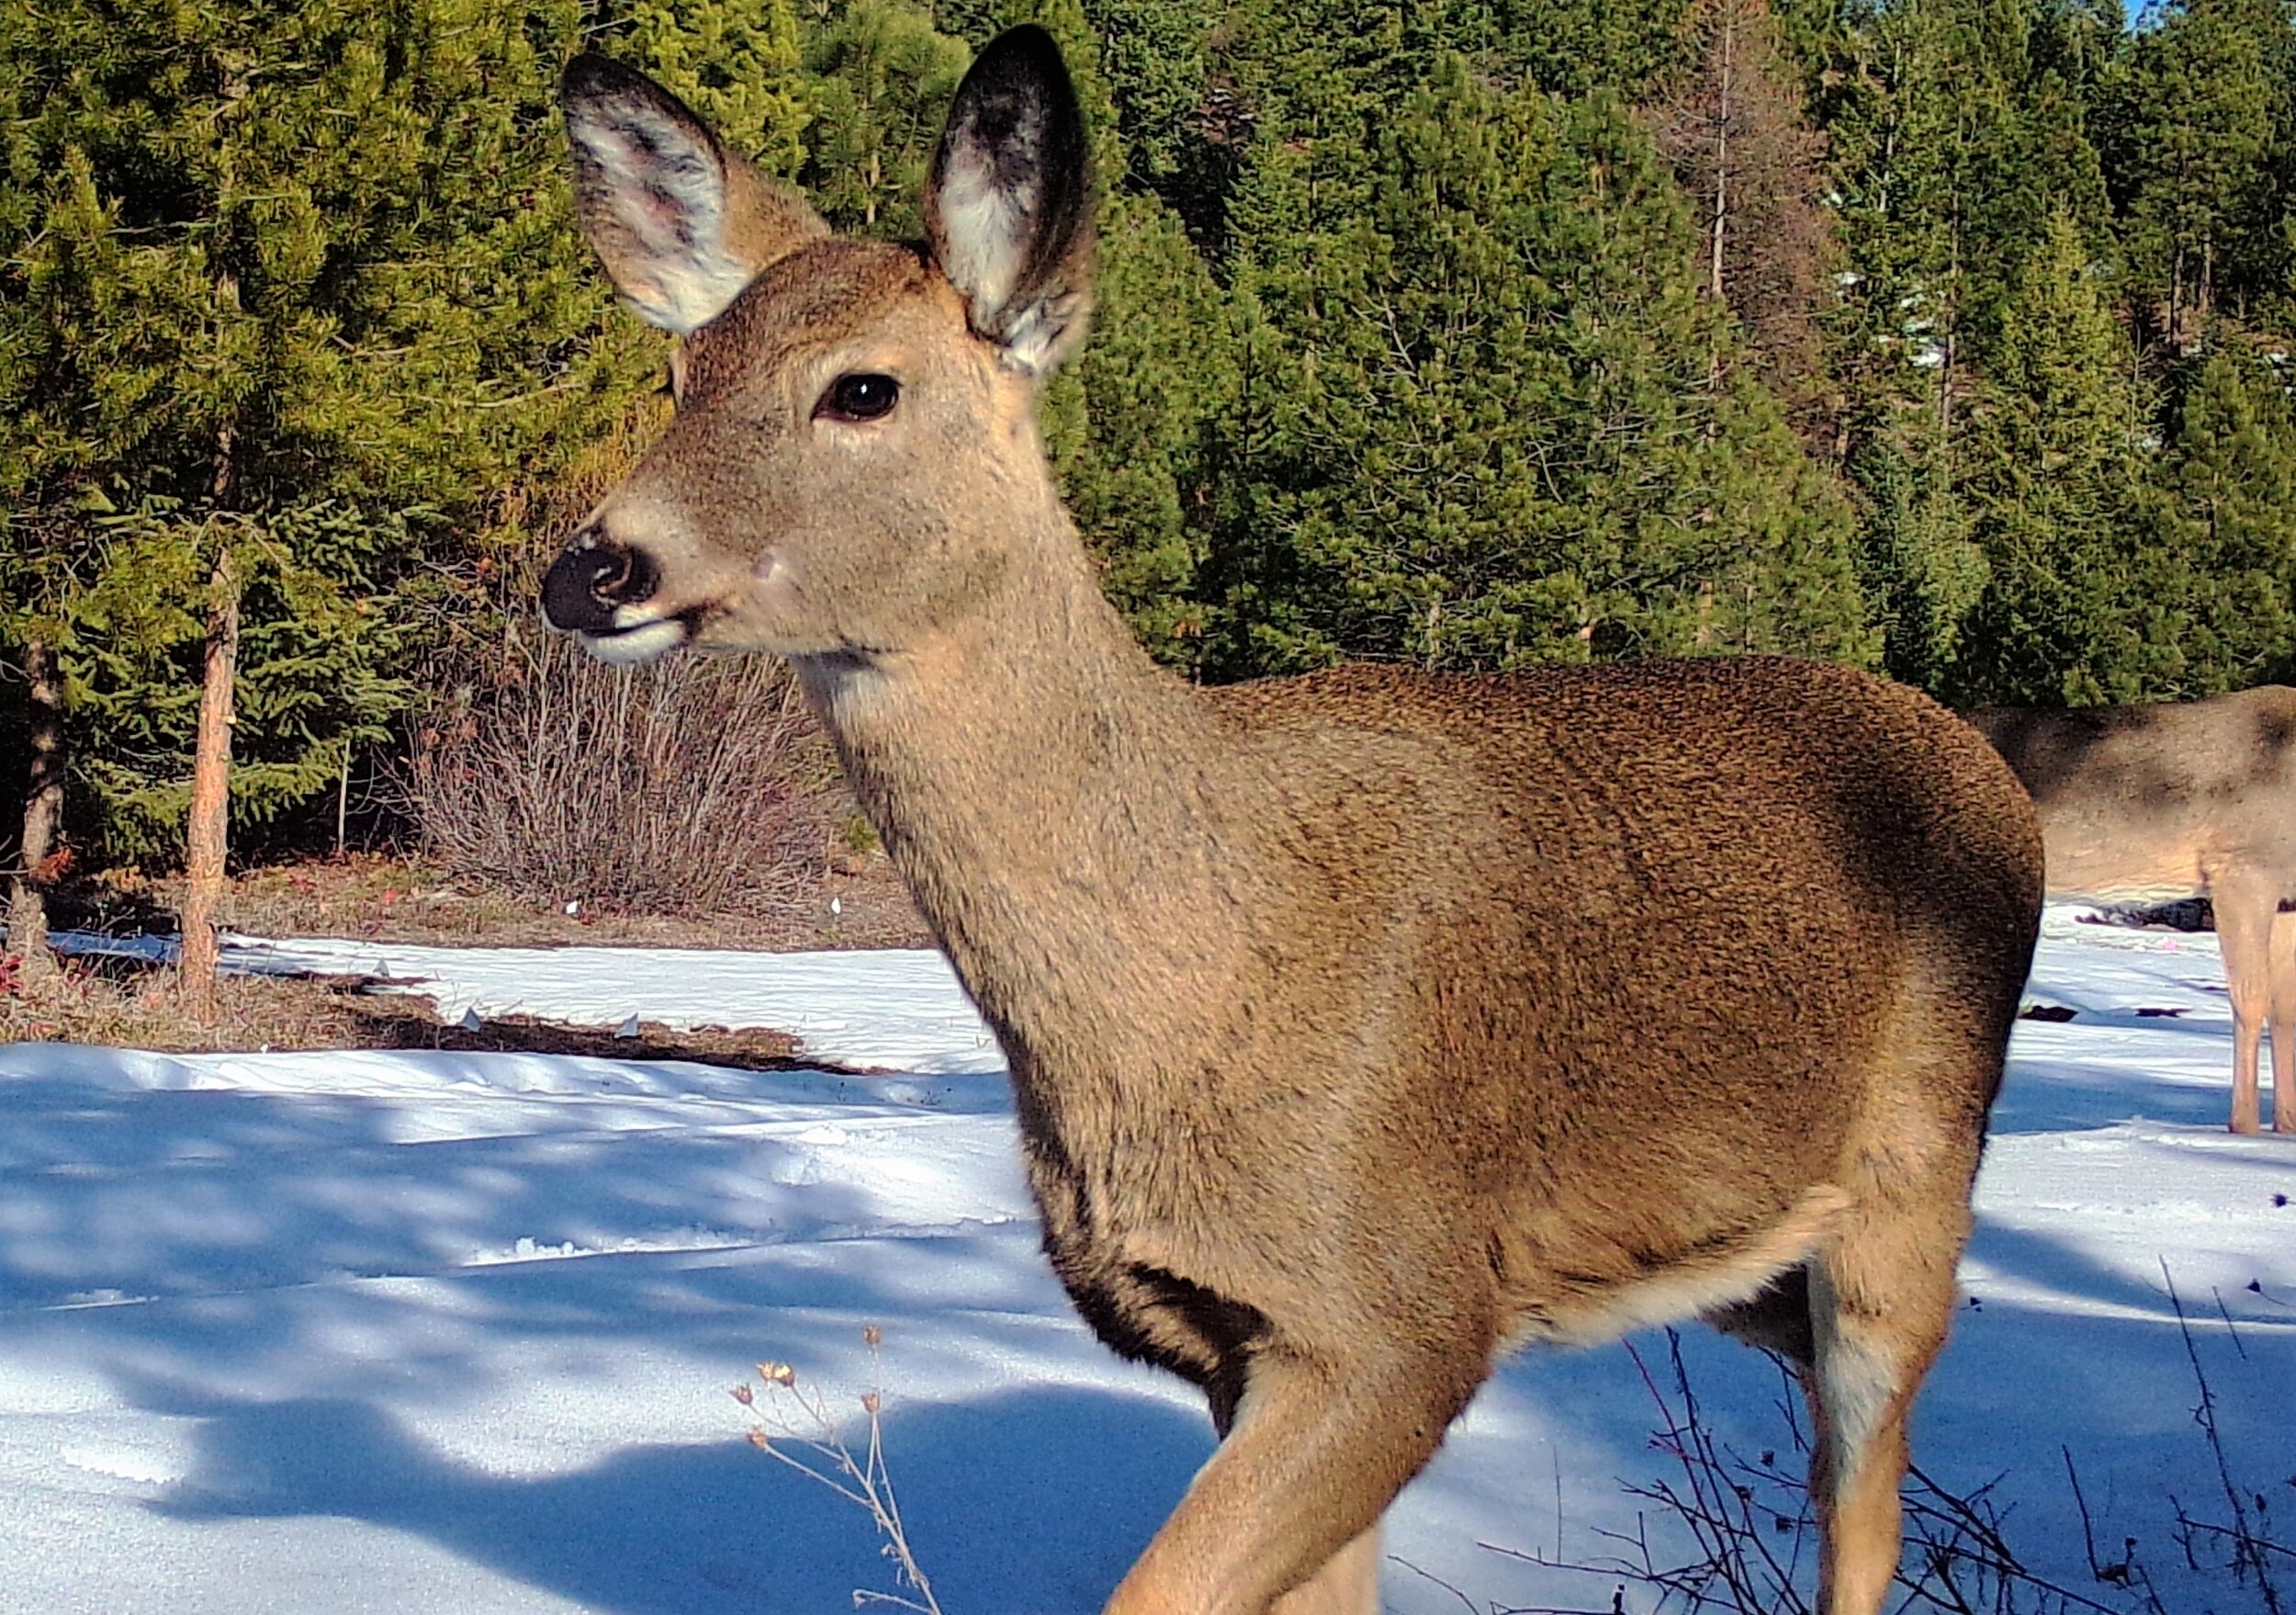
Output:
[[863, 396]]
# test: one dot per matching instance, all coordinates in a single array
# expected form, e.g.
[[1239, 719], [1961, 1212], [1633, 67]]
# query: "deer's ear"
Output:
[[1006, 210], [681, 225]]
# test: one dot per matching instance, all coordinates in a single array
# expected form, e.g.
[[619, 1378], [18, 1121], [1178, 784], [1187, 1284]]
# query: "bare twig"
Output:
[[697, 787], [794, 1425], [1751, 1529], [2248, 1547], [1428, 1575]]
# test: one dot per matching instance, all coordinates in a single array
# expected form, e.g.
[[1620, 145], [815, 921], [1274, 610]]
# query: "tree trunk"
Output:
[[43, 809], [2176, 299], [1724, 112], [208, 835]]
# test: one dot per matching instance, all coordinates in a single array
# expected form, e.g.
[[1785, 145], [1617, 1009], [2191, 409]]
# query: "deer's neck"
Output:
[[1067, 817]]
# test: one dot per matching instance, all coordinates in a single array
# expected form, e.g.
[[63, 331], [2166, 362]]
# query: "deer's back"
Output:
[[1798, 803], [1656, 927]]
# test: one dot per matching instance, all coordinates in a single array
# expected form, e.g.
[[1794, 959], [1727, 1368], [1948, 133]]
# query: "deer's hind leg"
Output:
[[1881, 1286], [1881, 1296]]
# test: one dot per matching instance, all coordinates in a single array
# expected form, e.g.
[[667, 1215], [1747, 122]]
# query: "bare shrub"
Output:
[[1743, 1537], [2246, 1550], [696, 787]]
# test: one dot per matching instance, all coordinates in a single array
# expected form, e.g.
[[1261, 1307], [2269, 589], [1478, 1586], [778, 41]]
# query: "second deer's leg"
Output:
[[1283, 1519], [2244, 932], [2281, 969]]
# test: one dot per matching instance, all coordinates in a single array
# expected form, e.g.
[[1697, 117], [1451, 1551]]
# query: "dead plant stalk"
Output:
[[795, 1426]]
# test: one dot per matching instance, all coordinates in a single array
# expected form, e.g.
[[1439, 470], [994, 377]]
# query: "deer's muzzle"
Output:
[[591, 580]]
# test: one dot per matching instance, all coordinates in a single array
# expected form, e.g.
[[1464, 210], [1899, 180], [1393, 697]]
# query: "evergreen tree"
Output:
[[1959, 129], [883, 77], [2079, 42], [2079, 609], [1131, 444], [740, 66], [1570, 46], [1955, 145], [1126, 423], [2191, 122], [1920, 569], [2222, 498], [1156, 58], [297, 285], [2267, 289], [1481, 422]]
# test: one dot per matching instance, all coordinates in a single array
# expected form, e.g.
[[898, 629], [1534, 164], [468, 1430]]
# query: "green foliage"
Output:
[[1921, 571], [1129, 425], [1160, 53], [1400, 347], [2077, 609], [1570, 48], [315, 652], [882, 78], [2224, 500], [1485, 419], [2189, 115], [738, 65], [1954, 141], [295, 277]]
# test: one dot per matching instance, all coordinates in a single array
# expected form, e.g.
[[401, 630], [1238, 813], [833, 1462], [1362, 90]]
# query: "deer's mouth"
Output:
[[631, 645]]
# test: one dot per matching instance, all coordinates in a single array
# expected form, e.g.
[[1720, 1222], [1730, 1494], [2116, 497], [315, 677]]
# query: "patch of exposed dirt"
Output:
[[125, 1005], [393, 1024]]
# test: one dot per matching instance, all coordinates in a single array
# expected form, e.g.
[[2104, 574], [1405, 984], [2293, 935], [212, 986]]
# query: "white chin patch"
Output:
[[646, 643]]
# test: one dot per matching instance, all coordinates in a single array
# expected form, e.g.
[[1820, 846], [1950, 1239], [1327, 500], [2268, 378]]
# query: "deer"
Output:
[[1363, 1025], [2179, 799]]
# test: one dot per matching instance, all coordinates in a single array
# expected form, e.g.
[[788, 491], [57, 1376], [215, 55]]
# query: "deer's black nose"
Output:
[[593, 577]]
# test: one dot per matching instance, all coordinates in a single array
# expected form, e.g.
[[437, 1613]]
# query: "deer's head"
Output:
[[855, 433]]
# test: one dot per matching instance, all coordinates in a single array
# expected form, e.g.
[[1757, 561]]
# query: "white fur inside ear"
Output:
[[662, 195], [1032, 341], [986, 229]]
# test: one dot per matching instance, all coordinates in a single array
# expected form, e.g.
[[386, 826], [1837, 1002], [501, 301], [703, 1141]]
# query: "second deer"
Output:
[[2174, 800], [1365, 1025]]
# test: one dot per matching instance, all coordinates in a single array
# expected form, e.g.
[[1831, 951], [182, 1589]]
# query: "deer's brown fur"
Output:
[[2174, 800], [1365, 1025]]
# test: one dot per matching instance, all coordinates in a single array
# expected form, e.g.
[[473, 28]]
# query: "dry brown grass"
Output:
[[853, 900], [561, 802], [77, 1002]]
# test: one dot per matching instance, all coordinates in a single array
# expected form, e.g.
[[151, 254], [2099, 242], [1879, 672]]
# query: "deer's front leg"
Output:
[[2244, 912], [1283, 1519], [2283, 967]]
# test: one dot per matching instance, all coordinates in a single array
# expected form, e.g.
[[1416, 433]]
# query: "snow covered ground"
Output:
[[350, 1332]]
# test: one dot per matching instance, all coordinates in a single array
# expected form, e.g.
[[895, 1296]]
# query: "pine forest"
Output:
[[1946, 337]]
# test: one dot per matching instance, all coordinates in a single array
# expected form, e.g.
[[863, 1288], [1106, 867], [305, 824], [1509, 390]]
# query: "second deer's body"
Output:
[[2176, 799]]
